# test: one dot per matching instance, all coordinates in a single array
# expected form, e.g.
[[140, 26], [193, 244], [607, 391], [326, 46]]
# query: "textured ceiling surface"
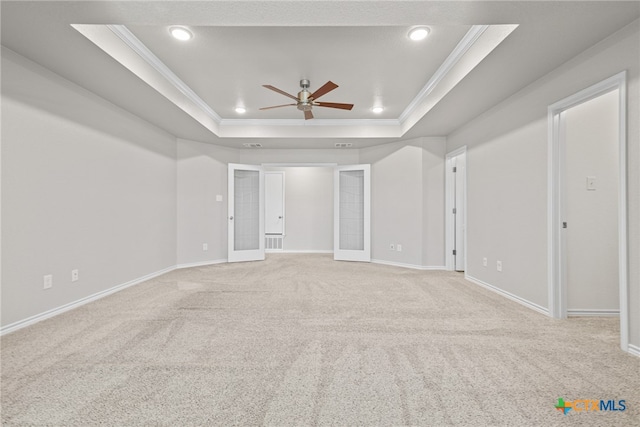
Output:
[[360, 45]]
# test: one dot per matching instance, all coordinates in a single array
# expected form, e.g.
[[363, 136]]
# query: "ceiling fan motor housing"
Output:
[[304, 103]]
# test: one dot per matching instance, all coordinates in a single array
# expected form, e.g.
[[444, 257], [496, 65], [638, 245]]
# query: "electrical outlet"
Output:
[[48, 281], [484, 262], [74, 275], [399, 247], [392, 247], [205, 247], [499, 265]]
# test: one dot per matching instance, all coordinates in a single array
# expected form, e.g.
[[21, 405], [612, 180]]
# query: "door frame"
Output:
[[556, 252], [450, 193]]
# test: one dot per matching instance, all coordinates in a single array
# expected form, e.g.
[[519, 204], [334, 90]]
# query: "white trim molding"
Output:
[[634, 349], [123, 46], [201, 263], [531, 305], [555, 275], [458, 52], [305, 251], [12, 327], [450, 194], [411, 266], [593, 313]]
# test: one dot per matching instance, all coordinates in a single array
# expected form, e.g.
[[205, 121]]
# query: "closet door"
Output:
[[352, 213], [274, 203], [246, 213]]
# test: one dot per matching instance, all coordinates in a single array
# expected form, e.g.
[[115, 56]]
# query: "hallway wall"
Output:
[[507, 174]]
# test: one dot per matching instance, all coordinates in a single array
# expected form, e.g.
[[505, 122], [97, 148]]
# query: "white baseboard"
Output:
[[304, 251], [82, 301], [412, 266], [634, 349], [512, 297], [593, 313], [201, 263]]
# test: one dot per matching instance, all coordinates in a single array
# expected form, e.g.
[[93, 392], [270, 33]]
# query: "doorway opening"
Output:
[[326, 209], [587, 223]]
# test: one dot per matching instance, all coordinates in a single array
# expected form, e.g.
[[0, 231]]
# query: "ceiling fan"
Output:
[[305, 101]]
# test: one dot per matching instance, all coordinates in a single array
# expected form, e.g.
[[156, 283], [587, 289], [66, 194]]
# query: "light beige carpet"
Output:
[[304, 340]]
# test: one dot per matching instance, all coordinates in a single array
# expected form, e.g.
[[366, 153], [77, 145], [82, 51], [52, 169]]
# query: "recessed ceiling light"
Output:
[[181, 33], [418, 33], [241, 110], [377, 110]]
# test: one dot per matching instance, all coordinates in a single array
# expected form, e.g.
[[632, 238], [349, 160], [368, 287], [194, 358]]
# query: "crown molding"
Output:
[[458, 52], [314, 122], [123, 46], [143, 51]]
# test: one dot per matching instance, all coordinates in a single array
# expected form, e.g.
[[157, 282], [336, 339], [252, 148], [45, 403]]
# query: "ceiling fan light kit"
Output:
[[305, 101]]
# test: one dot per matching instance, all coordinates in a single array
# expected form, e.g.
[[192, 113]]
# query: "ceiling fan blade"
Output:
[[326, 88], [275, 89], [308, 115], [277, 106], [334, 105]]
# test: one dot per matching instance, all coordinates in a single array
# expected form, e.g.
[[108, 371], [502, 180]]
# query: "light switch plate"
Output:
[[218, 198], [591, 183]]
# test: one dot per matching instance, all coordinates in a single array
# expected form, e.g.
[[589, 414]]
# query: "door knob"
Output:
[[280, 217], [231, 218]]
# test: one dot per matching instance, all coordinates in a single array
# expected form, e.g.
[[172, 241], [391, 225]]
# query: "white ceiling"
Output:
[[226, 66], [361, 46]]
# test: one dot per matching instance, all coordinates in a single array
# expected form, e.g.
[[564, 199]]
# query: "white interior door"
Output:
[[455, 208], [459, 209], [274, 203], [352, 213], [246, 213]]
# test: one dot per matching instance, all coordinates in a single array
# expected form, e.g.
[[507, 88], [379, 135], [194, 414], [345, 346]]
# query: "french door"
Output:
[[352, 213], [246, 213]]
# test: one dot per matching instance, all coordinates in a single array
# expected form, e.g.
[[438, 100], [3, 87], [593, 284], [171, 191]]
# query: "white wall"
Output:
[[202, 175], [507, 174], [591, 141], [308, 208], [433, 200], [407, 201], [347, 156], [85, 186]]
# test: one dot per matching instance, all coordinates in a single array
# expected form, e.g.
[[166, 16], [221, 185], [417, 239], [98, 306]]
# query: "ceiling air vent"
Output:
[[343, 145], [252, 145]]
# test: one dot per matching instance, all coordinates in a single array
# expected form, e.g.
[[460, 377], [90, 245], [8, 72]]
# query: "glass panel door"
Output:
[[352, 230], [246, 213]]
